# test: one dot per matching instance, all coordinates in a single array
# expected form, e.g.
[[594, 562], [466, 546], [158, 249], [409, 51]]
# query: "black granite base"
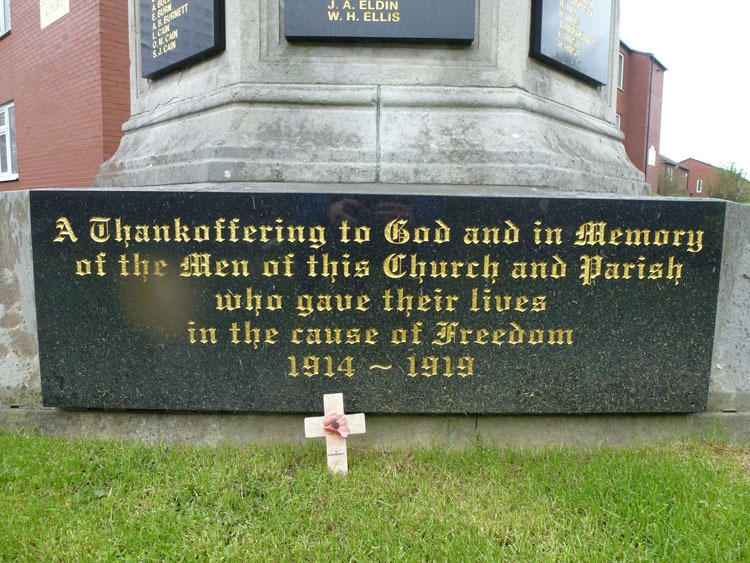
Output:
[[406, 304]]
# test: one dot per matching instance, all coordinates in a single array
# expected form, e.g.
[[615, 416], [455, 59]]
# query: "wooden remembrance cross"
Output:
[[335, 444]]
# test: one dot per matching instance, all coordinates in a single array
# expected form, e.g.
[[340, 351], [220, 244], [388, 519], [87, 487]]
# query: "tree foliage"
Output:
[[671, 184], [730, 183]]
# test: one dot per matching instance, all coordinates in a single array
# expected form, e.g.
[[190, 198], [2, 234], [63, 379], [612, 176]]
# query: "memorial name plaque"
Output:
[[175, 34], [228, 301], [574, 36], [425, 21]]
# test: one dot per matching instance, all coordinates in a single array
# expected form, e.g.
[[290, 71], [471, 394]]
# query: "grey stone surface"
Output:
[[729, 389], [612, 430], [19, 361], [383, 431], [730, 376], [269, 110]]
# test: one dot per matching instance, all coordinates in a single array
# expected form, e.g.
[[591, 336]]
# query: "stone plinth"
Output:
[[20, 390], [267, 110]]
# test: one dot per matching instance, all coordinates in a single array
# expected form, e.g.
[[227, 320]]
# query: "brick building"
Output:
[[64, 90], [702, 175], [675, 176], [639, 102]]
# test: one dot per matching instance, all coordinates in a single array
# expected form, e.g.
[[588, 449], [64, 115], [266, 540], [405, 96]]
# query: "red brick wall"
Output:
[[69, 83], [699, 171], [115, 72], [632, 105], [639, 104], [654, 129]]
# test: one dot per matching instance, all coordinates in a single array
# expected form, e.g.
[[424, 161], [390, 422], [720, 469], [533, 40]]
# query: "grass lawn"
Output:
[[89, 500]]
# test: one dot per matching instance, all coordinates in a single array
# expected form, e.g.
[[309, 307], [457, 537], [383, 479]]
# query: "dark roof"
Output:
[[702, 162], [671, 162], [651, 55]]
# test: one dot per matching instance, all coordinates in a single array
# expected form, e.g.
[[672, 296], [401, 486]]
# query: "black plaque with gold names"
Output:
[[177, 33], [411, 21], [228, 301], [574, 36]]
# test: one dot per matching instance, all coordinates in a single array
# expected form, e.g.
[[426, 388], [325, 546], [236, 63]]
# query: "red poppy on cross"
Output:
[[335, 427]]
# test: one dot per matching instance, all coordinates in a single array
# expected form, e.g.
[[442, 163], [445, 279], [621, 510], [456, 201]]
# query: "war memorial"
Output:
[[423, 206]]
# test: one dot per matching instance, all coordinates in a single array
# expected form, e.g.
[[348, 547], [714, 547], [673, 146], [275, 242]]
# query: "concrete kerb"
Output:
[[20, 392], [384, 431]]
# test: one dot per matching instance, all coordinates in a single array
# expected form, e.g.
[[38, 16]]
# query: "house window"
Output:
[[669, 173], [699, 187], [618, 120], [4, 17], [8, 170], [621, 72]]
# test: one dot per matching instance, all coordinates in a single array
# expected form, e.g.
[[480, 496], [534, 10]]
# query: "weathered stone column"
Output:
[[267, 110]]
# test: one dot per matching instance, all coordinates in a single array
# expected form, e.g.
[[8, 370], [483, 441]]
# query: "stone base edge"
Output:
[[433, 135], [384, 431]]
